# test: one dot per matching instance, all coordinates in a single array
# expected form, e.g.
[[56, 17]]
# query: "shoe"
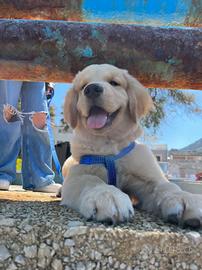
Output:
[[4, 184], [52, 188]]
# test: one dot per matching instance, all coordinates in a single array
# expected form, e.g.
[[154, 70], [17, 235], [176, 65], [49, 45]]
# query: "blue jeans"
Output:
[[20, 133]]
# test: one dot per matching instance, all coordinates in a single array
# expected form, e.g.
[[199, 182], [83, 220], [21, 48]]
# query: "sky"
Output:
[[177, 130], [182, 129]]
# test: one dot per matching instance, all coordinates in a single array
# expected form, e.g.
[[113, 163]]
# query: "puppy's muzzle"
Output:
[[93, 90]]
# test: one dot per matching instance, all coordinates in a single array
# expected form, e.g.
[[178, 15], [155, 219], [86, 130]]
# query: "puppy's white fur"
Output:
[[85, 188]]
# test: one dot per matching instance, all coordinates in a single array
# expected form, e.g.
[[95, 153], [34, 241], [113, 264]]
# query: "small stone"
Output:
[[69, 243], [122, 266], [129, 268], [44, 251], [27, 228], [193, 266], [75, 223], [144, 257], [42, 262], [107, 251], [98, 266], [72, 251], [67, 267], [178, 265], [75, 231], [46, 235], [30, 251], [116, 265], [20, 259], [195, 236], [12, 266], [90, 266], [57, 264], [110, 260], [65, 259], [56, 246], [184, 266], [80, 266], [152, 261], [15, 247], [48, 242], [97, 255], [8, 222], [4, 253]]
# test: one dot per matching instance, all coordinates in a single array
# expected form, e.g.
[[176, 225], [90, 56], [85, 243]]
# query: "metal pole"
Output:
[[56, 51]]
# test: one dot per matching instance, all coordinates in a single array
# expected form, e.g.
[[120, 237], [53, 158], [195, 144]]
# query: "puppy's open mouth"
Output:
[[99, 118]]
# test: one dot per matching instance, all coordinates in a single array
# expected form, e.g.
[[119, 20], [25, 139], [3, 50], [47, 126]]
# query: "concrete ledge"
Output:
[[190, 186], [37, 233]]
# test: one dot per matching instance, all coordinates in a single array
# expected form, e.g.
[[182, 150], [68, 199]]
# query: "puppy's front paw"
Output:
[[183, 208], [106, 203]]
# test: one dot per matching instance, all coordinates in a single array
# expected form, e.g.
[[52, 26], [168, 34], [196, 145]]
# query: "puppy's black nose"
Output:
[[93, 90]]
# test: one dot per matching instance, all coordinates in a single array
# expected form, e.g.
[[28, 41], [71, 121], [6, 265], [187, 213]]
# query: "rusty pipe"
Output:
[[56, 51]]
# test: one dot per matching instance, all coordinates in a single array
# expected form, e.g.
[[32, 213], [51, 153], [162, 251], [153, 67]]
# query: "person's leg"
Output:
[[10, 131], [37, 158]]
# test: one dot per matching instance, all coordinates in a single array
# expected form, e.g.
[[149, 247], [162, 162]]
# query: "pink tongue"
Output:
[[97, 118]]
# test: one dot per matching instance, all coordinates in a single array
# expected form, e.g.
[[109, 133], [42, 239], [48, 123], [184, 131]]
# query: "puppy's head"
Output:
[[103, 97]]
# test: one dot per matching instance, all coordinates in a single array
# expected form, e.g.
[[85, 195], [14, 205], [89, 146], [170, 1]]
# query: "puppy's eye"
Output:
[[114, 83]]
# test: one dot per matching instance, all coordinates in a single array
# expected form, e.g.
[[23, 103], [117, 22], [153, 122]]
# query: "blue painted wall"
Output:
[[157, 12]]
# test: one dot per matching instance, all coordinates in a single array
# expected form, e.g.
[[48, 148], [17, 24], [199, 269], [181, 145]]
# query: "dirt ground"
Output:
[[17, 193]]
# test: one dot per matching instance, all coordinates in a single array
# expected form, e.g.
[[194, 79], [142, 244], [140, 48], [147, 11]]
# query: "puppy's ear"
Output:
[[140, 102], [70, 109]]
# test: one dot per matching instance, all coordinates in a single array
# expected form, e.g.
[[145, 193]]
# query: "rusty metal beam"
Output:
[[56, 51], [175, 12], [41, 9]]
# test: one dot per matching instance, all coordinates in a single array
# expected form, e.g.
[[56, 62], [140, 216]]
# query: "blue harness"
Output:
[[108, 161]]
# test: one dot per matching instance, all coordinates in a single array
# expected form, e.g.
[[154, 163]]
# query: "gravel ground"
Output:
[[37, 233]]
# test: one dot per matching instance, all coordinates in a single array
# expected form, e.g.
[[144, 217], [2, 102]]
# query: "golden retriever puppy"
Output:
[[104, 108]]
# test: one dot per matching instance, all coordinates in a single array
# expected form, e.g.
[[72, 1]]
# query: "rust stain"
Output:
[[56, 51], [194, 16], [41, 9]]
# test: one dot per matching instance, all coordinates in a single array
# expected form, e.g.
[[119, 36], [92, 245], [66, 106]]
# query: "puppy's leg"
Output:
[[94, 199], [160, 196]]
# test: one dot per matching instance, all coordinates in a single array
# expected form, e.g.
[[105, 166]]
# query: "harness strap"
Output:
[[107, 161]]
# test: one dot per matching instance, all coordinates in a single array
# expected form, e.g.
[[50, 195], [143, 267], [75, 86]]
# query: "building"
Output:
[[161, 153], [185, 164]]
